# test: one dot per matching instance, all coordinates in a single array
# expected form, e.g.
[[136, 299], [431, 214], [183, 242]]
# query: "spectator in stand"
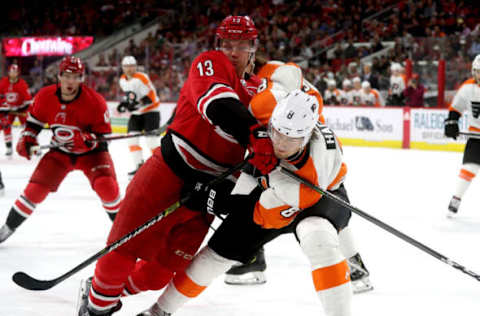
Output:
[[371, 97], [332, 94], [414, 92], [345, 96], [356, 92], [369, 76]]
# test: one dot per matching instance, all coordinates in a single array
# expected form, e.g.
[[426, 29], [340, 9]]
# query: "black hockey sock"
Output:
[[112, 215], [8, 144], [14, 219]]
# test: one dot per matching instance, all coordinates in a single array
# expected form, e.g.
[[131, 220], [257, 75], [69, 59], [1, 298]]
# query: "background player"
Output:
[[260, 213], [142, 101], [77, 115], [211, 129], [14, 102], [467, 99]]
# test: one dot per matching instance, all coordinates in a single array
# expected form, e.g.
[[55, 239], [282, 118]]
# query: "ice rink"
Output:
[[407, 189]]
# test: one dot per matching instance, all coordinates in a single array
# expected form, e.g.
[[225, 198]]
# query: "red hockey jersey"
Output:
[[202, 145], [15, 96], [87, 112]]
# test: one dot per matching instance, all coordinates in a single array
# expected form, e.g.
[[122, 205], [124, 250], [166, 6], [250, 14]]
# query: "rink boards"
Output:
[[393, 127]]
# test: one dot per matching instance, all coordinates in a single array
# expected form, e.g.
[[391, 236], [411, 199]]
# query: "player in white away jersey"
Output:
[[370, 96], [142, 102], [331, 96], [398, 83], [467, 100], [345, 97]]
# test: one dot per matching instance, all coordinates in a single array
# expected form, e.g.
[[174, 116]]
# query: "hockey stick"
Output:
[[156, 132], [383, 225], [471, 135], [27, 282]]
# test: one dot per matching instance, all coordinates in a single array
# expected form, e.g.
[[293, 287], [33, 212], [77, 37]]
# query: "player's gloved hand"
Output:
[[133, 106], [262, 149], [26, 142], [82, 142], [122, 107], [203, 198], [451, 125]]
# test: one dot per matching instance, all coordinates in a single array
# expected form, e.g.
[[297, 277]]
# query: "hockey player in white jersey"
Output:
[[398, 83], [142, 102], [370, 96], [356, 92], [466, 100], [263, 210], [331, 95], [345, 95]]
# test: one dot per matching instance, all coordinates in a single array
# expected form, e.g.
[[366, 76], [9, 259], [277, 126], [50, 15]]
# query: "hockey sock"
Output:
[[152, 142], [467, 173], [146, 276], [111, 273], [347, 244], [107, 190], [205, 267], [135, 151], [330, 273], [20, 211]]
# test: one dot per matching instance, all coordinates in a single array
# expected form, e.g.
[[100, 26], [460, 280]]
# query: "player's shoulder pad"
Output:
[[289, 76], [95, 97], [46, 91], [143, 77], [327, 135]]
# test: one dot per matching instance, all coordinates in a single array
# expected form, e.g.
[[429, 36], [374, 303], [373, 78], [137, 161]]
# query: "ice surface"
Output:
[[407, 189]]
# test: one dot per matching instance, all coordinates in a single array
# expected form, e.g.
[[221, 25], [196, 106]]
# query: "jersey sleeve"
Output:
[[211, 78], [460, 101], [101, 120]]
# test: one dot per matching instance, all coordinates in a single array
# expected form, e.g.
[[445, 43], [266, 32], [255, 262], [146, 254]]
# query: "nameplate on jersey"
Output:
[[328, 136], [475, 109]]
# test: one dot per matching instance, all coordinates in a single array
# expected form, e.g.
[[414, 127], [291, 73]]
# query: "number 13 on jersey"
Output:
[[205, 68]]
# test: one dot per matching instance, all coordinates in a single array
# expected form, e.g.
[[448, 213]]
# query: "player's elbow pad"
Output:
[[232, 117]]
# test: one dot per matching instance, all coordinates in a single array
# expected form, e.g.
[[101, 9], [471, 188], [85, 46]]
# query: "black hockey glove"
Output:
[[213, 199], [122, 107], [451, 125]]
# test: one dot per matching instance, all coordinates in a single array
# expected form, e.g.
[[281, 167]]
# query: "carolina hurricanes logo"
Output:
[[11, 97], [63, 134]]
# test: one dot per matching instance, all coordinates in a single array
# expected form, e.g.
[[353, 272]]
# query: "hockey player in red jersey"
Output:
[[14, 102], [77, 115], [210, 132]]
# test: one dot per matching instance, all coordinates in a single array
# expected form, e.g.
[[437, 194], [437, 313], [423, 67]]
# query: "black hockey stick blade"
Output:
[[27, 282]]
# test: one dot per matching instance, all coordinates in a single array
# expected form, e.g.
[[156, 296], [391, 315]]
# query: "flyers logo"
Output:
[[475, 109]]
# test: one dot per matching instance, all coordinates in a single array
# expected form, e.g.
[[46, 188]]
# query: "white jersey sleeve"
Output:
[[141, 85], [467, 100]]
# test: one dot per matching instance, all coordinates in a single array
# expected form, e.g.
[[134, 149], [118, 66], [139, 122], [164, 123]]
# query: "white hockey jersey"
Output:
[[332, 97], [397, 85], [356, 96], [141, 86], [467, 99], [284, 197], [373, 98], [345, 97]]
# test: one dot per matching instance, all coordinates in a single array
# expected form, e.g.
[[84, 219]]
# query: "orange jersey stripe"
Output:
[[186, 286], [474, 129], [272, 218], [308, 197], [262, 106], [331, 276], [340, 175]]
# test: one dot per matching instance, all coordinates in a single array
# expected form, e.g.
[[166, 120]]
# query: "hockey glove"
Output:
[[451, 125], [26, 142], [262, 149], [210, 199], [82, 142], [122, 107]]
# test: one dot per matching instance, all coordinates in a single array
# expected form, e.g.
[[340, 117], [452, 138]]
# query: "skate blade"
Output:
[[362, 286], [82, 293], [249, 278]]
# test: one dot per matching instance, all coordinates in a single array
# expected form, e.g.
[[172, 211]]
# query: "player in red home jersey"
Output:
[[14, 102], [210, 132], [77, 115]]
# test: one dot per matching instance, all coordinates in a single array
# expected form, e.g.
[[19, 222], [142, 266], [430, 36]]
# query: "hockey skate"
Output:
[[248, 274], [453, 206], [359, 275], [154, 310], [82, 303], [5, 232]]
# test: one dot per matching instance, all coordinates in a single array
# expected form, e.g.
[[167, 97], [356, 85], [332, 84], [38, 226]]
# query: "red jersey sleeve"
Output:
[[212, 76], [38, 112], [101, 120]]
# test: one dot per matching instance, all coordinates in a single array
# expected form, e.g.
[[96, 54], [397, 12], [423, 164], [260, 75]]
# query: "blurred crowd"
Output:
[[330, 40]]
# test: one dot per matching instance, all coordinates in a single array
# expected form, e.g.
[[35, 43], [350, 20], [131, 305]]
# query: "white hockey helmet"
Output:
[[346, 83], [476, 64], [365, 84], [296, 115], [128, 61]]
